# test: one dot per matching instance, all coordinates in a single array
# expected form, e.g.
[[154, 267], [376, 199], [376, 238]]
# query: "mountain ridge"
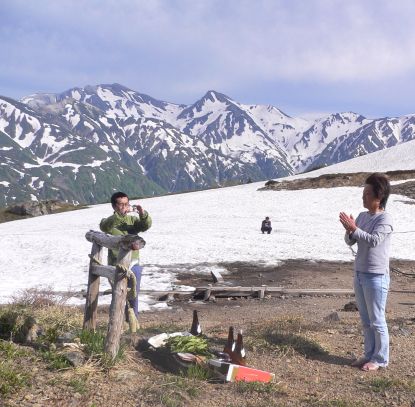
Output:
[[112, 137]]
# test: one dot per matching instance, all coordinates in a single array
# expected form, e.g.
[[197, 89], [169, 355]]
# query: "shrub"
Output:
[[39, 298], [54, 360]]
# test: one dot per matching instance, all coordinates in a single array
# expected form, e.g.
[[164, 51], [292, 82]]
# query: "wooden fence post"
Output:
[[90, 313], [125, 244], [117, 308]]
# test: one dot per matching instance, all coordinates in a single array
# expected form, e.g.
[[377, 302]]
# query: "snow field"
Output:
[[195, 232]]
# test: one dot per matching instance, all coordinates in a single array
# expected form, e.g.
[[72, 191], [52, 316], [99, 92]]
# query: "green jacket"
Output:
[[118, 224]]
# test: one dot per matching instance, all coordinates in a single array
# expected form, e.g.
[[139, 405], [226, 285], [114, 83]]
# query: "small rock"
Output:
[[76, 359], [351, 306], [332, 317], [404, 332], [125, 375], [66, 337]]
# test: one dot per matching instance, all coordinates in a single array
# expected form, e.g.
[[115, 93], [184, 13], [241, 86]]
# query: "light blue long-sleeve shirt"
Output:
[[373, 237]]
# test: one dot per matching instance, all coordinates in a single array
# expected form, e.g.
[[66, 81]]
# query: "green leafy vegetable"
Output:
[[188, 344]]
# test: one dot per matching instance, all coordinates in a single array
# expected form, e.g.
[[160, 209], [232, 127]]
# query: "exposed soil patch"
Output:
[[291, 274], [345, 180]]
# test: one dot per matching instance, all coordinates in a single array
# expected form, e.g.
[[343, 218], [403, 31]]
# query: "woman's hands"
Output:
[[348, 222]]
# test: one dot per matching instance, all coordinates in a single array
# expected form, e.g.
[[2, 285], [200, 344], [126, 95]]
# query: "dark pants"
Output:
[[268, 230], [137, 270]]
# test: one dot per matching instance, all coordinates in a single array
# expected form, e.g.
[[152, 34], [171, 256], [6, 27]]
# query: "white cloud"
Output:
[[180, 46]]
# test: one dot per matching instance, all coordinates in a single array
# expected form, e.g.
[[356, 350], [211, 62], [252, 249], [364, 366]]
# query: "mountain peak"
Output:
[[214, 96]]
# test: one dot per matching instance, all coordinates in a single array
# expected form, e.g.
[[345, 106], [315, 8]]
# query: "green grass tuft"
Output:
[[259, 387], [79, 385], [10, 351], [11, 379], [197, 372], [285, 336], [335, 403], [94, 342], [95, 348], [54, 360], [381, 384]]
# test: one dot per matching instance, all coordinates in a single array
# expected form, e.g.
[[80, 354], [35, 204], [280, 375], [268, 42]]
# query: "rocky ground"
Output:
[[346, 180], [34, 208]]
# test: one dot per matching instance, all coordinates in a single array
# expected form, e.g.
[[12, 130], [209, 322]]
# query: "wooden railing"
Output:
[[119, 290]]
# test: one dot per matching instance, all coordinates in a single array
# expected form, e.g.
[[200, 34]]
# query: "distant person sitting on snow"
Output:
[[266, 226], [121, 223]]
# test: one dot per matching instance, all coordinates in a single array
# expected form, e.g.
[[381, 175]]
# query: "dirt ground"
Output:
[[286, 335]]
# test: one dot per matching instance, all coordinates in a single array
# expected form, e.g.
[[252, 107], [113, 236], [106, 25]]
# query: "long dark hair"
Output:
[[381, 187]]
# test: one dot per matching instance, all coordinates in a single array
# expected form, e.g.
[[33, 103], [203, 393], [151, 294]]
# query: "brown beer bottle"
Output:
[[238, 355], [230, 344], [195, 330]]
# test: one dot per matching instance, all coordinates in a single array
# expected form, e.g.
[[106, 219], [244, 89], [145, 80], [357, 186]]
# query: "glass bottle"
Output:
[[238, 355], [230, 344], [195, 330]]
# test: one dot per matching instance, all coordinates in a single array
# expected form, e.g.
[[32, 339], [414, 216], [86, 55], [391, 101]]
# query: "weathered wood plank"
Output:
[[91, 304], [238, 288], [402, 291], [104, 271], [207, 295], [174, 292], [216, 276], [244, 292], [127, 242], [317, 291], [261, 291], [116, 316], [271, 289]]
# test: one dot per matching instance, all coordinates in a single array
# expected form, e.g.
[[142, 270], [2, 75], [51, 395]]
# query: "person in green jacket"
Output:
[[121, 223]]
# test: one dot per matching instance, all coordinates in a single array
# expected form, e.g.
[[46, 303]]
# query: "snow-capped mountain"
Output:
[[82, 144], [225, 126], [373, 136], [314, 140]]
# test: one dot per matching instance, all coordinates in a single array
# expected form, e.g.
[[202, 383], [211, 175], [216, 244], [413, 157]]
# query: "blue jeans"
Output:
[[137, 270], [371, 291]]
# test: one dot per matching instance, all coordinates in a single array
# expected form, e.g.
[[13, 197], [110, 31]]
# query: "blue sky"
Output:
[[306, 57]]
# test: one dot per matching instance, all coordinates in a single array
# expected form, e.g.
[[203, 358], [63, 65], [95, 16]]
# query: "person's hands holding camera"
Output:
[[139, 209]]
